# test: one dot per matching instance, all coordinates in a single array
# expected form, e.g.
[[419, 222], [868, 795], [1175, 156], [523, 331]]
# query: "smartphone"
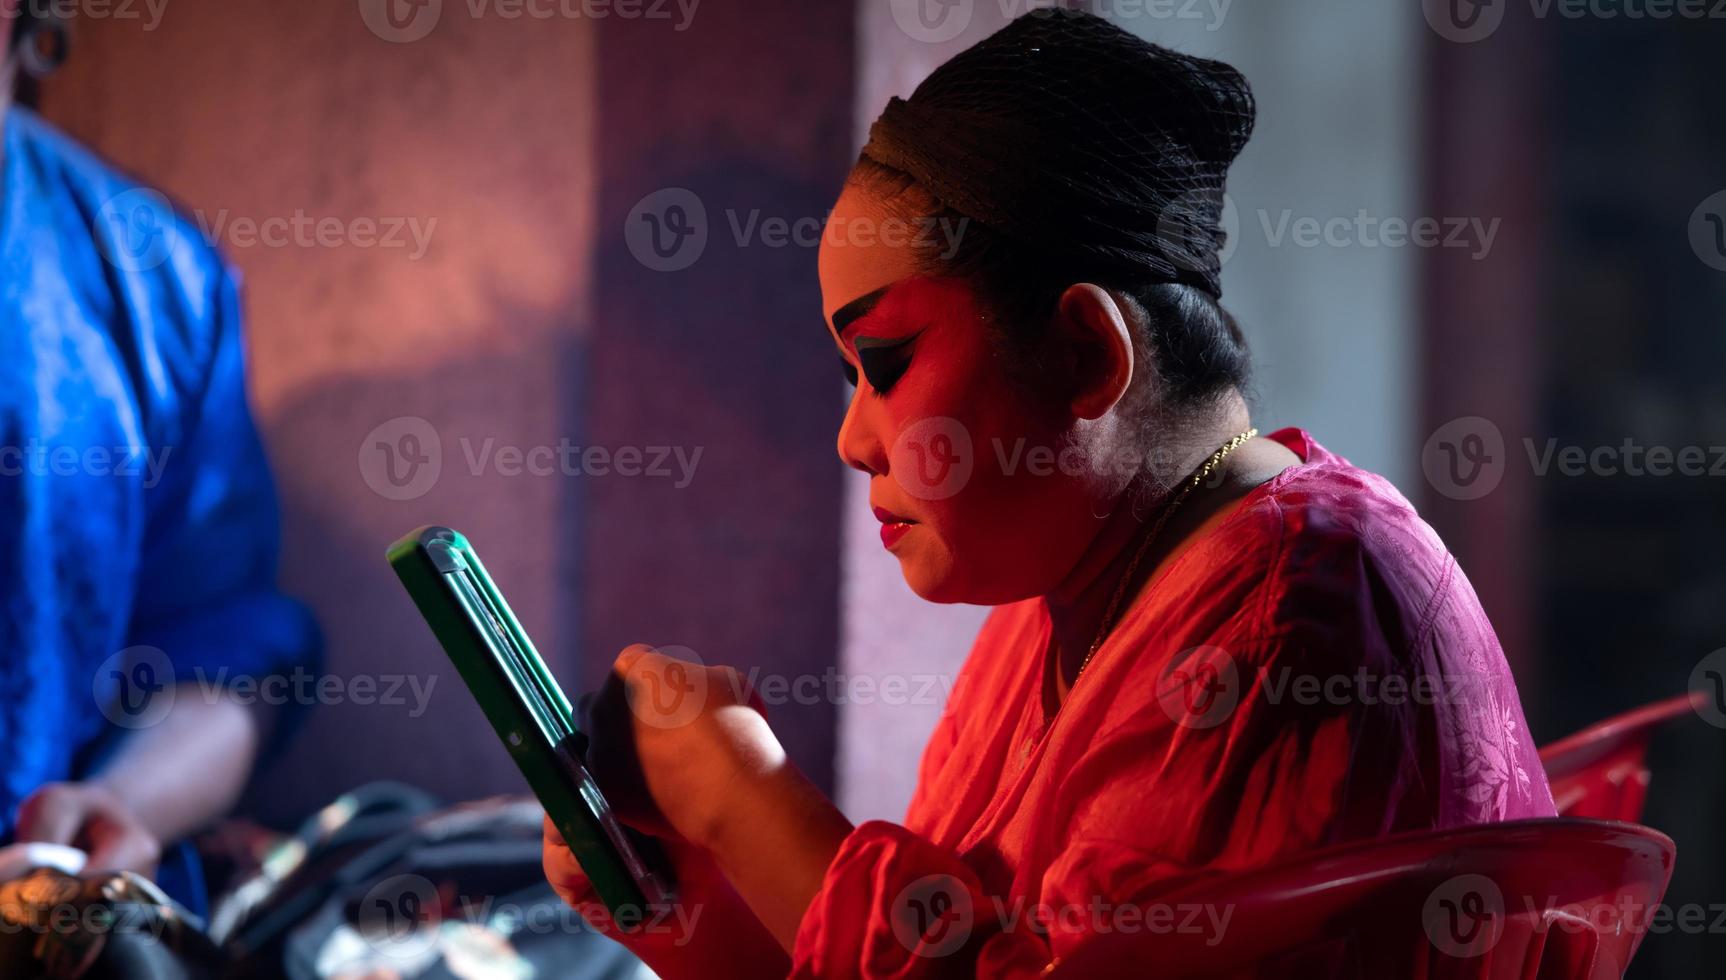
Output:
[[499, 665]]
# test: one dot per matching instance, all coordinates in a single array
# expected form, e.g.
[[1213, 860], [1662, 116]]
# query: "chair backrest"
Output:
[[1602, 771], [1529, 900]]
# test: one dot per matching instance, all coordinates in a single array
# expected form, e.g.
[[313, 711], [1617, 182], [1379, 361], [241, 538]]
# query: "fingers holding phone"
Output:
[[669, 736]]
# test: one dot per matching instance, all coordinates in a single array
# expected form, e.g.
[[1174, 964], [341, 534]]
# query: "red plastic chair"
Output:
[[1602, 771], [1529, 900]]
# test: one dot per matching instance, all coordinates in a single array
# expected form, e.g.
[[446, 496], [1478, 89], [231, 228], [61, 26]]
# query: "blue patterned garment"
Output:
[[136, 508]]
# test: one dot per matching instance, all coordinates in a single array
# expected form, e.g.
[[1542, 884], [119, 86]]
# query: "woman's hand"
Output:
[[691, 868], [670, 742], [683, 752], [90, 817], [707, 931]]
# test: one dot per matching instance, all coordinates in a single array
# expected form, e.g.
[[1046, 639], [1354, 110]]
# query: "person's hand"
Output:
[[90, 817], [692, 869], [670, 740], [683, 752], [706, 930]]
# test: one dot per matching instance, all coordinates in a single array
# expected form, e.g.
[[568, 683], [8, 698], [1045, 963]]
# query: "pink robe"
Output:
[[1315, 669]]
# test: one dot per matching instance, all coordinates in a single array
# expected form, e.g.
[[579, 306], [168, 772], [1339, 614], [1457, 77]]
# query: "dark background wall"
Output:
[[1629, 584], [1600, 321]]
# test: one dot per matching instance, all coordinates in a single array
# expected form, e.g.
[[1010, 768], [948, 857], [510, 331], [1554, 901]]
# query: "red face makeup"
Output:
[[957, 452], [949, 438]]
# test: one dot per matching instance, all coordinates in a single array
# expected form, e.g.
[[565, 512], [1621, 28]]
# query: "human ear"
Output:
[[1095, 344]]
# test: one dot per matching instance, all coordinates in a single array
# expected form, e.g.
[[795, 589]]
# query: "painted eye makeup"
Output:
[[849, 369], [883, 359]]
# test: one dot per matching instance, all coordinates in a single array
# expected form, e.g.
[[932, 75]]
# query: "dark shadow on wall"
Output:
[[710, 134], [727, 358], [392, 707]]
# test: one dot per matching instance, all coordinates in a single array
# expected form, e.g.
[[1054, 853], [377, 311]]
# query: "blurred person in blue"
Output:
[[138, 524]]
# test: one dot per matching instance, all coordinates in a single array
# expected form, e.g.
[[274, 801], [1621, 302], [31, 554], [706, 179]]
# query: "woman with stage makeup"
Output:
[[1210, 647]]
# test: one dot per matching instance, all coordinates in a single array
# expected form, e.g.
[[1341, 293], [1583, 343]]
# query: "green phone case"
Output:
[[530, 713]]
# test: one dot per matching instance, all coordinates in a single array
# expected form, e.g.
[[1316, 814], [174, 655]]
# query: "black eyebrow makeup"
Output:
[[857, 309]]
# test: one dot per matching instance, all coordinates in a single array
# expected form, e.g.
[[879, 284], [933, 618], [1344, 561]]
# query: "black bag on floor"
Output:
[[390, 887], [380, 883]]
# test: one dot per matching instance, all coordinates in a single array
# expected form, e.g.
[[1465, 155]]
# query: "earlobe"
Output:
[[1100, 348]]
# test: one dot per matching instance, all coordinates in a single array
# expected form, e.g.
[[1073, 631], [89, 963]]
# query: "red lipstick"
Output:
[[893, 527]]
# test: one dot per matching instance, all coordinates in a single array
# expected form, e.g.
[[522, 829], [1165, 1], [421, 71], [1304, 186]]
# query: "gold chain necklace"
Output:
[[1144, 546]]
